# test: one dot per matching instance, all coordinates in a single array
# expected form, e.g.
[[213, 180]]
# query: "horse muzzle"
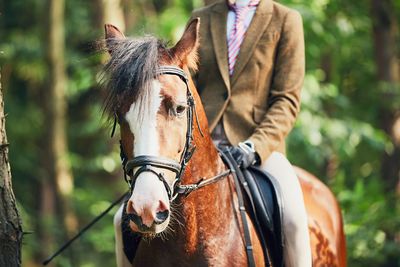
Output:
[[140, 226], [148, 208]]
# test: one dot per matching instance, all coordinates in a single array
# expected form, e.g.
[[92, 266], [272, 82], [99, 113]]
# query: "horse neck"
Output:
[[204, 209], [206, 161]]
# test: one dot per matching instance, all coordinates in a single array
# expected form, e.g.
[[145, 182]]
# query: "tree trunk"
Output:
[[112, 13], [385, 34], [57, 184], [10, 223]]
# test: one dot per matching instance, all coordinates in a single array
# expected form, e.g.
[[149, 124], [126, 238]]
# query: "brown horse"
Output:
[[154, 110]]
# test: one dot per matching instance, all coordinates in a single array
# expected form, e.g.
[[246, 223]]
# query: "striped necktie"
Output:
[[238, 31]]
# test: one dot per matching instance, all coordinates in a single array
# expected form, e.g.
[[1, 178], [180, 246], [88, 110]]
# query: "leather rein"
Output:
[[146, 163]]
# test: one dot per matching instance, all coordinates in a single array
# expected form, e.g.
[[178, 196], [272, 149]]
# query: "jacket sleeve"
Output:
[[284, 95]]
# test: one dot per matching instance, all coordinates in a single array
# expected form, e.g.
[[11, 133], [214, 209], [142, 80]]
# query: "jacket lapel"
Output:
[[218, 32], [258, 24]]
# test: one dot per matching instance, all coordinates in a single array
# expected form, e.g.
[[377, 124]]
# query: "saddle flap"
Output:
[[267, 203]]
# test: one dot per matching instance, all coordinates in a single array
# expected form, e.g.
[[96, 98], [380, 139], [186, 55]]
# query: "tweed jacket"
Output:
[[261, 100]]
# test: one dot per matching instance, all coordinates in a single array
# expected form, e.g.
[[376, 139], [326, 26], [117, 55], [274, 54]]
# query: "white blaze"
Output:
[[143, 122], [149, 190]]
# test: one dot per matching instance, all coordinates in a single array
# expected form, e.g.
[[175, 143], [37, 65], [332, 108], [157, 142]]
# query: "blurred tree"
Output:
[[10, 223], [385, 37], [112, 13], [57, 185]]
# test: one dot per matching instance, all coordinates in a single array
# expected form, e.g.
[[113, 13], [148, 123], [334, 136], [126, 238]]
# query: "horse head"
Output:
[[149, 94]]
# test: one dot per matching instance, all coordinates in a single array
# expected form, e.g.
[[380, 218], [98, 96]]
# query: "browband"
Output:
[[172, 70]]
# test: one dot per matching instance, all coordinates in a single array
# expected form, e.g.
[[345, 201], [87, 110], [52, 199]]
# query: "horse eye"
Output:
[[175, 109], [179, 110]]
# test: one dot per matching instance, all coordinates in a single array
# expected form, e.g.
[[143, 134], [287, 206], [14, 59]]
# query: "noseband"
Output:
[[152, 164]]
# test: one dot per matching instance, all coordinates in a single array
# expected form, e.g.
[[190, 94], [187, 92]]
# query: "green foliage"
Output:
[[337, 135]]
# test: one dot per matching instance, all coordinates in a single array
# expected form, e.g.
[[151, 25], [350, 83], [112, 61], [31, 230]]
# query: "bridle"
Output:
[[147, 163], [152, 164]]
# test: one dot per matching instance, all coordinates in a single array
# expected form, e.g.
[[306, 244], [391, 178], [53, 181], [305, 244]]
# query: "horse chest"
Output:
[[223, 249]]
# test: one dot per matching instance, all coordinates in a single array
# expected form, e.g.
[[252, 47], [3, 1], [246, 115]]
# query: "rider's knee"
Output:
[[295, 223], [278, 165]]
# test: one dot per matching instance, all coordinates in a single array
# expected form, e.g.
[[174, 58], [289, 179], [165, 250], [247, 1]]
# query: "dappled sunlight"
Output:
[[347, 132]]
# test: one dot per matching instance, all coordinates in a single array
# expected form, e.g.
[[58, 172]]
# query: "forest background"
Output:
[[66, 168]]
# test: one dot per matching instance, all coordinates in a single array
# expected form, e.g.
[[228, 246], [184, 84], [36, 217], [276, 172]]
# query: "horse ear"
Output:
[[186, 48], [112, 33]]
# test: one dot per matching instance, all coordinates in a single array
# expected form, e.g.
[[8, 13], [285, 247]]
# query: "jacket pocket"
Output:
[[258, 114], [268, 38]]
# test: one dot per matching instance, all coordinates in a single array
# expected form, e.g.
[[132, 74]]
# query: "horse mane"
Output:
[[130, 70]]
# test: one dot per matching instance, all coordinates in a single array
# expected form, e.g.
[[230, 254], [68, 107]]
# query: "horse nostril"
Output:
[[136, 219], [130, 209], [161, 216]]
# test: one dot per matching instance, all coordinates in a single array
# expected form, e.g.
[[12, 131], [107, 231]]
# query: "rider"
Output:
[[251, 70]]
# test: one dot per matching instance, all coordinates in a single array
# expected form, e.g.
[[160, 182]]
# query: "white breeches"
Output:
[[297, 250]]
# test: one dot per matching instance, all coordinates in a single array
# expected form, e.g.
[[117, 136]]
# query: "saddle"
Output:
[[267, 206], [264, 204]]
